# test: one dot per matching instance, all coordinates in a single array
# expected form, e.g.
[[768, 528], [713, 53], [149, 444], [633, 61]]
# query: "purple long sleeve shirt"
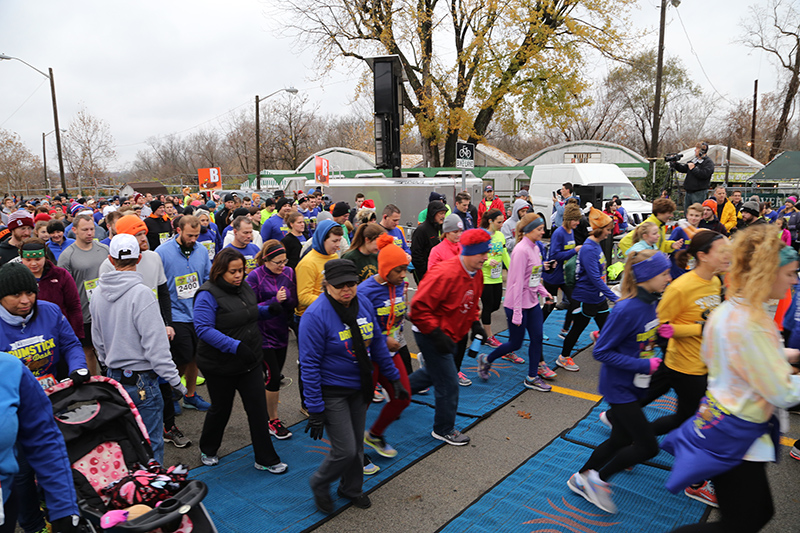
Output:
[[275, 331]]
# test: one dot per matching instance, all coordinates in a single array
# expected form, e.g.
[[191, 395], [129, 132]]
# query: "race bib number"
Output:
[[187, 285], [536, 276], [210, 248], [399, 337], [89, 286], [46, 381], [497, 271], [163, 237], [251, 263]]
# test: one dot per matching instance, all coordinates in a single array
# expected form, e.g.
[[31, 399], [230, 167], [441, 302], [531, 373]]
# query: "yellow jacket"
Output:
[[663, 244], [309, 278], [728, 216]]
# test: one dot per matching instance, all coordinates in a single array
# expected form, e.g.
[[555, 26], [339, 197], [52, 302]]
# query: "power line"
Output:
[[691, 47], [23, 103]]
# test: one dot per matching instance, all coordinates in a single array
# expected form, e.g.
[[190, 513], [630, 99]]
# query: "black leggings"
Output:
[[405, 356], [632, 441], [689, 389], [547, 309], [491, 298], [580, 319], [274, 359], [744, 498]]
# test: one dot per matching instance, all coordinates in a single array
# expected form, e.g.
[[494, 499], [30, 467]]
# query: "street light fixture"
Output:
[[290, 90], [44, 162], [55, 116]]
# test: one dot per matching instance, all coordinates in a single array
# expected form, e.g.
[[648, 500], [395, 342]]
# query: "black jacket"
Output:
[[155, 228], [713, 225], [237, 317], [698, 178], [293, 248], [425, 237]]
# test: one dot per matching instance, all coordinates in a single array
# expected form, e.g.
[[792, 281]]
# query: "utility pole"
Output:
[[258, 147], [753, 124], [659, 74]]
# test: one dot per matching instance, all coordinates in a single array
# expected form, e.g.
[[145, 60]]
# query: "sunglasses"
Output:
[[348, 284]]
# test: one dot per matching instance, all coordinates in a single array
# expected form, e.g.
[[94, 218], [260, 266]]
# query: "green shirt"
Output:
[[366, 265]]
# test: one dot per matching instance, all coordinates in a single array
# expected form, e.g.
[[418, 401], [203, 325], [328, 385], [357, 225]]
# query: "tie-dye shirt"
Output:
[[747, 370]]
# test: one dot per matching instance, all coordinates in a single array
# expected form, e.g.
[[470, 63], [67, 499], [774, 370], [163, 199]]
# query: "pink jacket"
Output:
[[442, 252], [525, 284]]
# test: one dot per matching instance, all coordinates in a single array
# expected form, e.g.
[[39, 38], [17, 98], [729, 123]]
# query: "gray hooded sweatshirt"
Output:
[[127, 330], [510, 225]]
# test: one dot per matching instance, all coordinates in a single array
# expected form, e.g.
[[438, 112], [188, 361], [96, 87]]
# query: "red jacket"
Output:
[[447, 298], [497, 203]]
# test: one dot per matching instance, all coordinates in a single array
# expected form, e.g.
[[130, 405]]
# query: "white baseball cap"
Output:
[[124, 246]]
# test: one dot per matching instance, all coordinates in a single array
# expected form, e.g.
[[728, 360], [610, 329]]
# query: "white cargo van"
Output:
[[548, 179]]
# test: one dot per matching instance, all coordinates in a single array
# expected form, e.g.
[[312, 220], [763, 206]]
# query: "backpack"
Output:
[[570, 266]]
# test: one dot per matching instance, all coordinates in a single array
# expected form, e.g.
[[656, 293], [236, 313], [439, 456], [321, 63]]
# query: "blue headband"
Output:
[[533, 225], [476, 248], [787, 255], [651, 267]]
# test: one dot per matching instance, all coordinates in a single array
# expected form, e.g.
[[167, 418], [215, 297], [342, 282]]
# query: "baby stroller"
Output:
[[105, 438]]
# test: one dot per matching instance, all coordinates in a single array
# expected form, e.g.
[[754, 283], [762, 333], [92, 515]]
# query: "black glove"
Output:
[[477, 329], [316, 423], [442, 342], [67, 524], [79, 376], [275, 309], [245, 351], [400, 392]]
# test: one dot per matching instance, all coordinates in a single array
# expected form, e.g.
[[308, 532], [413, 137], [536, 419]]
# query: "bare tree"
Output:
[[291, 126], [19, 168], [88, 148], [775, 28]]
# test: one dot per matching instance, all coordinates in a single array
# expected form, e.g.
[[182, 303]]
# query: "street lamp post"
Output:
[[44, 163], [55, 116], [290, 90]]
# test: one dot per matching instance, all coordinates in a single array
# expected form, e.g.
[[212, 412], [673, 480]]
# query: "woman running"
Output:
[[591, 291], [735, 433], [627, 350], [522, 304], [492, 295], [562, 247]]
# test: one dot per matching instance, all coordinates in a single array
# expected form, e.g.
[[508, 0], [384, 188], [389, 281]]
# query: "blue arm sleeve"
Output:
[[405, 244], [557, 251], [606, 349], [311, 349], [70, 346], [205, 318], [592, 268], [43, 445]]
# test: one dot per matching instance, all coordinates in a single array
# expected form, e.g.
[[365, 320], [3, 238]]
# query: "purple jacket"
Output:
[[274, 331], [57, 286]]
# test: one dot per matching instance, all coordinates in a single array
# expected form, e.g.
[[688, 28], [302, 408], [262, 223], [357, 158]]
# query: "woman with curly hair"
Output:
[[735, 431]]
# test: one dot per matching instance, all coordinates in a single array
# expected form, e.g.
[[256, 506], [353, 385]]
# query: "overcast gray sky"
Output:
[[159, 67]]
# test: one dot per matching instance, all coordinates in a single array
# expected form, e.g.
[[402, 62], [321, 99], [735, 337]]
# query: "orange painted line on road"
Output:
[[576, 393]]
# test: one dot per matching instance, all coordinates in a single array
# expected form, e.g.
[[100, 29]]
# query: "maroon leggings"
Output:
[[391, 411]]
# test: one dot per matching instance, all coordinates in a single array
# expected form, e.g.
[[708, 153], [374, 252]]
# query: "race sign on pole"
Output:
[[209, 178], [322, 170], [465, 155]]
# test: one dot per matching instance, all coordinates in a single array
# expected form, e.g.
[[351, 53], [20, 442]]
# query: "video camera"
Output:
[[672, 158]]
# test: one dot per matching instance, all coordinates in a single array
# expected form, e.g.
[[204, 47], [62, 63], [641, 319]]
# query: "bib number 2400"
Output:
[[187, 285]]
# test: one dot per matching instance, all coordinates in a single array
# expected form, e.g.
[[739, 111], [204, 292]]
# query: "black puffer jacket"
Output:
[[425, 237]]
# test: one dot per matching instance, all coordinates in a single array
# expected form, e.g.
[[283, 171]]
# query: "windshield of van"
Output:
[[625, 191]]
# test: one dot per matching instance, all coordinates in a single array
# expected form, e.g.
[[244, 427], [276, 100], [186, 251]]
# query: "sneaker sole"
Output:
[[568, 369], [596, 502], [465, 383], [793, 456], [701, 500], [178, 445], [380, 451], [450, 442], [535, 387], [577, 490], [280, 468], [278, 436]]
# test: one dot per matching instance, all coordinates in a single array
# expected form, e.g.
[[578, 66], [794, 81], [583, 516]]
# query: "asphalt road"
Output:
[[433, 491]]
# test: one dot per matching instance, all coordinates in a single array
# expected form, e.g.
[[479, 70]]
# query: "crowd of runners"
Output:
[[165, 293]]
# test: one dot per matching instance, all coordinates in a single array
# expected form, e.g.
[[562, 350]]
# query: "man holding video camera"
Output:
[[698, 175]]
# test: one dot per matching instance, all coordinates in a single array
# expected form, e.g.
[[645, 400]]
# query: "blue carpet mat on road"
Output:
[[241, 498], [591, 431], [535, 497], [552, 327]]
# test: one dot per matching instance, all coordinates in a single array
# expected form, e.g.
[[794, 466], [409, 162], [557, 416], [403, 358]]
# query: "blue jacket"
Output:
[[176, 265], [625, 345], [792, 318], [562, 247], [28, 423], [43, 342], [590, 275], [326, 350], [211, 235], [380, 297], [56, 249], [274, 228], [678, 234], [399, 239]]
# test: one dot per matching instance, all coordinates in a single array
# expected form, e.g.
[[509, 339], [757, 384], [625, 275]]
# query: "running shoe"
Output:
[[455, 437], [594, 335], [377, 397], [370, 467], [483, 367], [278, 430], [794, 453], [704, 493], [536, 383], [597, 491], [493, 342], [362, 502], [379, 444], [199, 381], [463, 380], [604, 419], [176, 437], [420, 360], [563, 334], [577, 483], [209, 460], [424, 391], [285, 382], [567, 363], [545, 337], [196, 402], [545, 371], [279, 468], [514, 358]]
